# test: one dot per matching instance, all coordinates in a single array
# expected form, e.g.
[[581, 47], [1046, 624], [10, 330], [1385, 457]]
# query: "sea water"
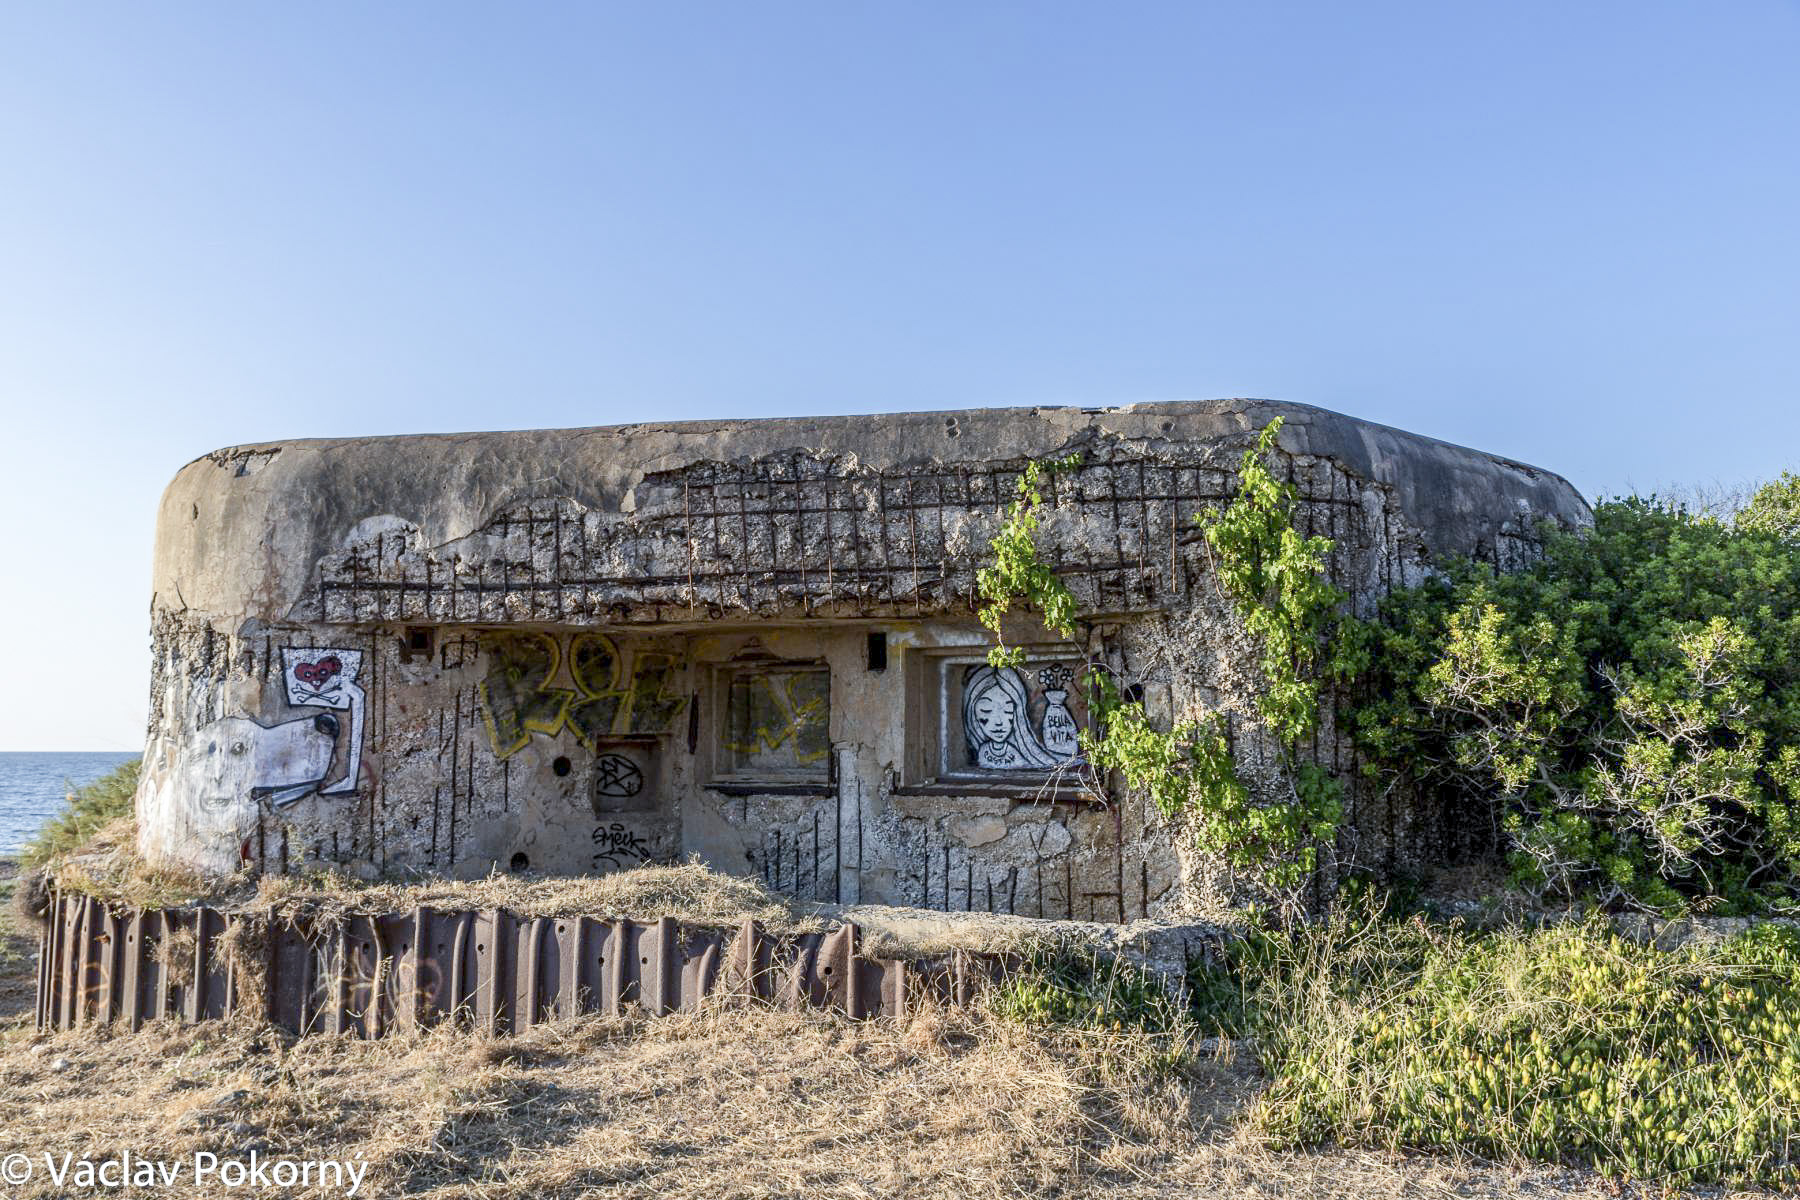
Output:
[[33, 786]]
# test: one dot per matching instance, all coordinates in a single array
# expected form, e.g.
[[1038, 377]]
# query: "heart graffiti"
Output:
[[316, 674]]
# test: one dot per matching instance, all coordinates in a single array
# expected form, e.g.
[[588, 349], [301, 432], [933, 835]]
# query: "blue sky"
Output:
[[1563, 232]]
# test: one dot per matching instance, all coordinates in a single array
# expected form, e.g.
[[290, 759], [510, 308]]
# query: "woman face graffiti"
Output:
[[997, 722], [995, 715]]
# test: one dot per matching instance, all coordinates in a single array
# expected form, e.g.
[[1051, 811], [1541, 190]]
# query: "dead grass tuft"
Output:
[[891, 931], [246, 943], [109, 867], [175, 953], [689, 892]]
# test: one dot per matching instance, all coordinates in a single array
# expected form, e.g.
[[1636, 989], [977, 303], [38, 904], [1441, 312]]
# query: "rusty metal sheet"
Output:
[[489, 970]]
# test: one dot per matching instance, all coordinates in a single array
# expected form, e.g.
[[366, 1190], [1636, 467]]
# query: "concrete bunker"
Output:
[[572, 651]]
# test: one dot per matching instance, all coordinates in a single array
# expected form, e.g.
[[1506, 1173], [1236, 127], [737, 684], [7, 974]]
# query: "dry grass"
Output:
[[729, 1103], [721, 1104], [892, 931], [689, 892], [109, 866]]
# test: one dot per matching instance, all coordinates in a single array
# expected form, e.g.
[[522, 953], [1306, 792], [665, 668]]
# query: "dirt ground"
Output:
[[723, 1104]]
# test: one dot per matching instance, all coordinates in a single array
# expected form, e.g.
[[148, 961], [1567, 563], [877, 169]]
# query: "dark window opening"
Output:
[[878, 652]]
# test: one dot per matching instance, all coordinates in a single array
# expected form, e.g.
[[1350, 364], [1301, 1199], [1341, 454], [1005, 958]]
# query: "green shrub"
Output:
[[1216, 999], [1081, 988], [1565, 1044], [88, 809], [1774, 508], [1631, 703]]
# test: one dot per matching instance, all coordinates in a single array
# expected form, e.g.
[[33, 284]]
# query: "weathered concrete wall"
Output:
[[574, 650]]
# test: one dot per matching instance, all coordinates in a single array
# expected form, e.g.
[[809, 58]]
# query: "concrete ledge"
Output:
[[1162, 947]]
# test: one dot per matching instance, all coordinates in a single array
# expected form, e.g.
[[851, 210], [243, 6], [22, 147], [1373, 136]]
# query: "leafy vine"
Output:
[[1274, 578]]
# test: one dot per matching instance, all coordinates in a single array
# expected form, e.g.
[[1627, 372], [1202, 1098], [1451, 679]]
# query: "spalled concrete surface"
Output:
[[752, 641], [243, 530]]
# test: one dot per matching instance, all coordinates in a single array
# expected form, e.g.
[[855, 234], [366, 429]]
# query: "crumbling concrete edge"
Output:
[[1162, 948]]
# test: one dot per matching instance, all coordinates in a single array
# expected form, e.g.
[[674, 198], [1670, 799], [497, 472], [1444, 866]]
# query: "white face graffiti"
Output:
[[1002, 729], [223, 758], [997, 722], [235, 756], [995, 715]]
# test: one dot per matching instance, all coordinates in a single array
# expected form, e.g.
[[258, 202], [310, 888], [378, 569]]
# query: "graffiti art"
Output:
[[612, 696], [617, 846], [1008, 728], [617, 776], [516, 697], [778, 721], [293, 757]]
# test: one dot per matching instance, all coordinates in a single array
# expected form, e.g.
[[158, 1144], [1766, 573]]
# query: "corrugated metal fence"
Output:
[[368, 975]]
